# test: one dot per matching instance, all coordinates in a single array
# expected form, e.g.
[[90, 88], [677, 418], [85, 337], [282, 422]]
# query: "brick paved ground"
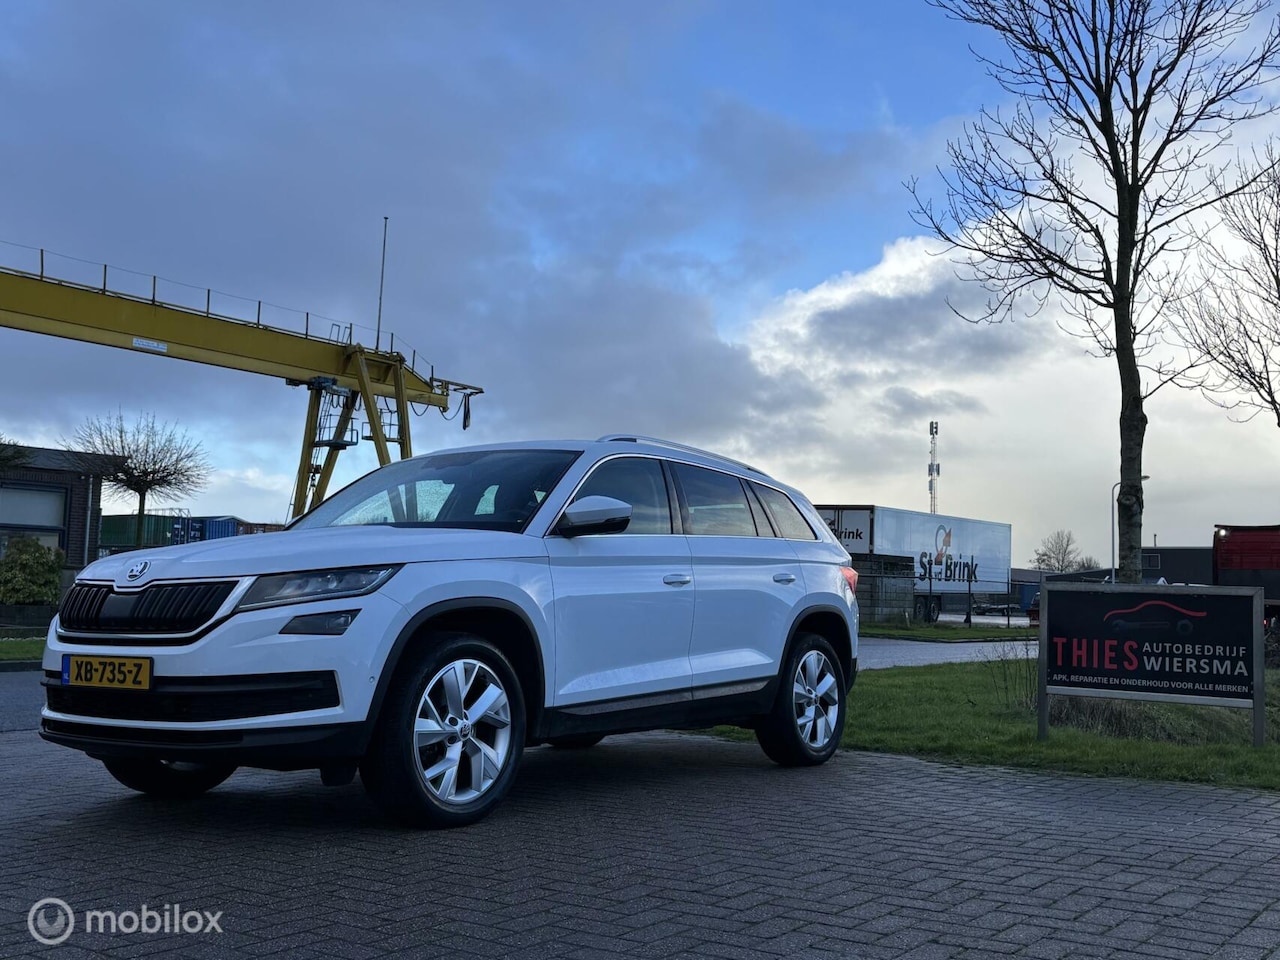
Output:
[[655, 846]]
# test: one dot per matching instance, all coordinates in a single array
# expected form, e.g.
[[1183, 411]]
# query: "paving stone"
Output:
[[654, 846]]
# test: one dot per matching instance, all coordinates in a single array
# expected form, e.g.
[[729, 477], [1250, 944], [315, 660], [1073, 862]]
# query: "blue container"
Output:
[[215, 528]]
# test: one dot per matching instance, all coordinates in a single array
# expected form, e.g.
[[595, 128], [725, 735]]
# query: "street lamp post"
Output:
[[1114, 487]]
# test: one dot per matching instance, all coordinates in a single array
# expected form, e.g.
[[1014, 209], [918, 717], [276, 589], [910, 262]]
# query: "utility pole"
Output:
[[935, 468]]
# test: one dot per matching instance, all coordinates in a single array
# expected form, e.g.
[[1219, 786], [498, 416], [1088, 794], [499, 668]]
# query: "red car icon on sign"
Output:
[[1153, 616]]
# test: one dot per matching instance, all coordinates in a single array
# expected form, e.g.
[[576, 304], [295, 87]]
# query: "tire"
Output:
[[169, 779], [446, 746], [804, 727], [922, 609], [580, 741], [935, 610]]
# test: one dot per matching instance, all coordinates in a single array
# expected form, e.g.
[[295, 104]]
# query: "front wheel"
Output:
[[807, 719], [450, 735], [169, 779]]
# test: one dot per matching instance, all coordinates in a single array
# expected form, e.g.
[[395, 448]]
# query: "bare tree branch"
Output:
[[11, 454], [1097, 177], [1057, 553], [1233, 314], [149, 458]]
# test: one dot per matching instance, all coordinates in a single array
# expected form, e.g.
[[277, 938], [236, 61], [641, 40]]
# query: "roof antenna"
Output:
[[382, 276]]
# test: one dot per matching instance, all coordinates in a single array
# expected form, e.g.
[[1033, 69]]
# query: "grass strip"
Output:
[[982, 713], [22, 648]]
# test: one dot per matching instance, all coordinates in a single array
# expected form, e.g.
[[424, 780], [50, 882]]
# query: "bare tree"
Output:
[[1085, 188], [11, 454], [1233, 315], [150, 459], [1088, 562], [1058, 553]]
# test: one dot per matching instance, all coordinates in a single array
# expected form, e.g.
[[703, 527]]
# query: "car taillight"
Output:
[[851, 575]]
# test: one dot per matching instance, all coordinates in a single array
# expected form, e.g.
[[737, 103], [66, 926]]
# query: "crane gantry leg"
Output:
[[331, 457], [402, 414], [371, 408], [303, 482]]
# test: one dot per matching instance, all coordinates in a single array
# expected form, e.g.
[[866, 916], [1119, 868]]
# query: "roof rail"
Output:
[[671, 444]]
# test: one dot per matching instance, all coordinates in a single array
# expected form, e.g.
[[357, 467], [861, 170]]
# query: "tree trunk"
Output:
[[1133, 431], [1129, 502], [142, 516]]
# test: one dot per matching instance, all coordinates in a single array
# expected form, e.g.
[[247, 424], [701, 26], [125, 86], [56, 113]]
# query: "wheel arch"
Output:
[[829, 623], [499, 621]]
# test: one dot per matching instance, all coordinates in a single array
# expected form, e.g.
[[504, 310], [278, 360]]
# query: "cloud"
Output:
[[905, 403], [587, 221]]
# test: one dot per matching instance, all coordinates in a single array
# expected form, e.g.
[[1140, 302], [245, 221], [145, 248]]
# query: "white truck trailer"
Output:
[[944, 555]]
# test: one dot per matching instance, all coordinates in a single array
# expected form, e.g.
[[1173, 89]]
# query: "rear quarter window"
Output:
[[786, 515]]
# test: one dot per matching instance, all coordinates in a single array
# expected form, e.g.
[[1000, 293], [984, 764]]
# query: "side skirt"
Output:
[[729, 703]]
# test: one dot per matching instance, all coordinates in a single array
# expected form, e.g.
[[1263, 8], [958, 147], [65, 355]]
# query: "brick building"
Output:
[[52, 498]]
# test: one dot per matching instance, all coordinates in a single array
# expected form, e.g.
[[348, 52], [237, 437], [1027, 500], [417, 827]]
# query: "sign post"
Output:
[[1200, 645]]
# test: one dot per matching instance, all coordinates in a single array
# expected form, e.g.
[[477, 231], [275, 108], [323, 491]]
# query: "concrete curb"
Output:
[[18, 666]]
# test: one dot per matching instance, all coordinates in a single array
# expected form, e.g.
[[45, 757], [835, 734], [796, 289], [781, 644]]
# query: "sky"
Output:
[[682, 219]]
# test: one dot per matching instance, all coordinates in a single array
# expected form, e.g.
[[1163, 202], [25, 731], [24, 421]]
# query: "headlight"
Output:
[[311, 585]]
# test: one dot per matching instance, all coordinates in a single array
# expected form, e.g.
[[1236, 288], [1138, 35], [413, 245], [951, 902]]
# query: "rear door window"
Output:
[[715, 503]]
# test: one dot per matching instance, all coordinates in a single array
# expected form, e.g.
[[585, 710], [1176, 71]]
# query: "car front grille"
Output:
[[194, 699], [163, 608]]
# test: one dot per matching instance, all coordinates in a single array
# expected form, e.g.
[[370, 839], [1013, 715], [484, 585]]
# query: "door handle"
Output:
[[784, 578], [677, 579]]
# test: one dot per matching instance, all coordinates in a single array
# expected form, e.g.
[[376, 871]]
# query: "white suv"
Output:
[[440, 614]]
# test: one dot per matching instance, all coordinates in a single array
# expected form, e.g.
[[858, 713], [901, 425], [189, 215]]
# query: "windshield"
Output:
[[479, 489]]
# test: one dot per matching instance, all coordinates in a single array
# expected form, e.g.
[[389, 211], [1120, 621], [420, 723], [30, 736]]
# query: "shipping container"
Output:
[[117, 531], [215, 528]]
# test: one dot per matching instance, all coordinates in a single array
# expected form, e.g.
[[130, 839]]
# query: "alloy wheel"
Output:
[[462, 731], [816, 699]]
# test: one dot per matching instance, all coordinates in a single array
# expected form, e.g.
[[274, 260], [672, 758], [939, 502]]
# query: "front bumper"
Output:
[[198, 699], [242, 691], [281, 748]]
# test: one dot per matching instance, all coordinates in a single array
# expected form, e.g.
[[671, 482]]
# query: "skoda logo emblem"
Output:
[[138, 569]]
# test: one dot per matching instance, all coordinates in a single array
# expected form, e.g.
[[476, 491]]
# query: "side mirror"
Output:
[[594, 515]]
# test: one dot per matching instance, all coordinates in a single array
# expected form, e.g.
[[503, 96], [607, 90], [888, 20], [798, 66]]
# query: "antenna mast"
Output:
[[382, 276], [935, 468]]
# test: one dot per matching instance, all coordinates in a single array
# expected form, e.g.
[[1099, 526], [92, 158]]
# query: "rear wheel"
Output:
[[449, 737], [807, 719], [169, 779]]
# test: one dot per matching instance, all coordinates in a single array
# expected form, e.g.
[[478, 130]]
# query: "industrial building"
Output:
[[55, 497]]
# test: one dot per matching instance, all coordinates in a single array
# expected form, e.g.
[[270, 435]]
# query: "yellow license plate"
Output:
[[119, 673]]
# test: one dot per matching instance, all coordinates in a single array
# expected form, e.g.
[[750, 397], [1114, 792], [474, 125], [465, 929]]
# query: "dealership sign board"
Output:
[[1198, 645]]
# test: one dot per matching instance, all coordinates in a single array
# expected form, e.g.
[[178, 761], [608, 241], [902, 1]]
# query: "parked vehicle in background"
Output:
[[998, 609], [1249, 557], [426, 624], [947, 555]]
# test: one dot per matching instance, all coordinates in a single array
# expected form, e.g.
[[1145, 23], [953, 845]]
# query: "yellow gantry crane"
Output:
[[342, 373]]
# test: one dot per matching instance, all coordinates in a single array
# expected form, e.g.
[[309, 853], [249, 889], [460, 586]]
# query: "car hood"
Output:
[[308, 550]]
